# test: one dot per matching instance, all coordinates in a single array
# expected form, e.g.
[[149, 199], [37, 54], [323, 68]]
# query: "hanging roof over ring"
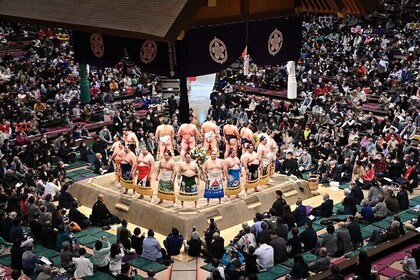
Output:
[[164, 20]]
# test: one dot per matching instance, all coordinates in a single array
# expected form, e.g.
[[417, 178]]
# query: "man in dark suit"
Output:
[[117, 124], [290, 166], [356, 192], [355, 231], [350, 207], [309, 237], [325, 209], [78, 217], [279, 203], [151, 144], [66, 199], [100, 214], [300, 213]]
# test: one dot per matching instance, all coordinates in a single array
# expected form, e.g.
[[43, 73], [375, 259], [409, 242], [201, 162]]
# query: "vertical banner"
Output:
[[206, 50], [275, 41], [97, 49], [151, 56]]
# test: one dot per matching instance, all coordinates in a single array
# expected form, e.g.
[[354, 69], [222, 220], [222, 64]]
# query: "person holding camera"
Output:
[[101, 255]]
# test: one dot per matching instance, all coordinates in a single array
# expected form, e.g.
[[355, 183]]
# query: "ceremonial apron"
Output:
[[265, 171], [234, 182], [166, 188], [143, 181], [188, 190], [126, 179], [253, 180], [214, 185]]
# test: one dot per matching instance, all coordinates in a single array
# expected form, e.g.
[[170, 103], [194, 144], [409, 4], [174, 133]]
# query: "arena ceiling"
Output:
[[164, 20]]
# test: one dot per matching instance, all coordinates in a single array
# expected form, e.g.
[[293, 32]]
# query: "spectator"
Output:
[[300, 269], [101, 255], [124, 275], [363, 266], [323, 263], [348, 203], [355, 232], [78, 217], [279, 246], [288, 217], [66, 256], [295, 243], [366, 215], [265, 255], [66, 199], [402, 197], [83, 266], [380, 210], [309, 237], [411, 263], [344, 242], [300, 213], [281, 229], [116, 255], [216, 249], [137, 241], [45, 273], [173, 242], [29, 261], [325, 209], [62, 236], [151, 248], [329, 241]]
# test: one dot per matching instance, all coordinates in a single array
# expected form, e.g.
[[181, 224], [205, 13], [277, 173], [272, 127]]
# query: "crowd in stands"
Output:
[[346, 64]]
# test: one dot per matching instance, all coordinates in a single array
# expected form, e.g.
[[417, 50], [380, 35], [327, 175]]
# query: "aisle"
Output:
[[199, 95]]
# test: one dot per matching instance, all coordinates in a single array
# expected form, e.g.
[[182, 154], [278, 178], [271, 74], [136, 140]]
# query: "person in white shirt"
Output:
[[52, 189], [115, 260], [265, 256], [84, 267]]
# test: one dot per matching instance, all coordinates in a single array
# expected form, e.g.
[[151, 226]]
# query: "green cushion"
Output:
[[92, 230], [343, 186], [56, 261], [87, 239], [367, 231], [48, 254], [339, 217], [406, 216], [266, 276], [157, 267], [317, 227], [6, 260], [138, 277], [309, 257], [38, 248], [279, 270], [100, 276], [208, 267], [288, 263], [384, 224], [139, 262], [356, 252]]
